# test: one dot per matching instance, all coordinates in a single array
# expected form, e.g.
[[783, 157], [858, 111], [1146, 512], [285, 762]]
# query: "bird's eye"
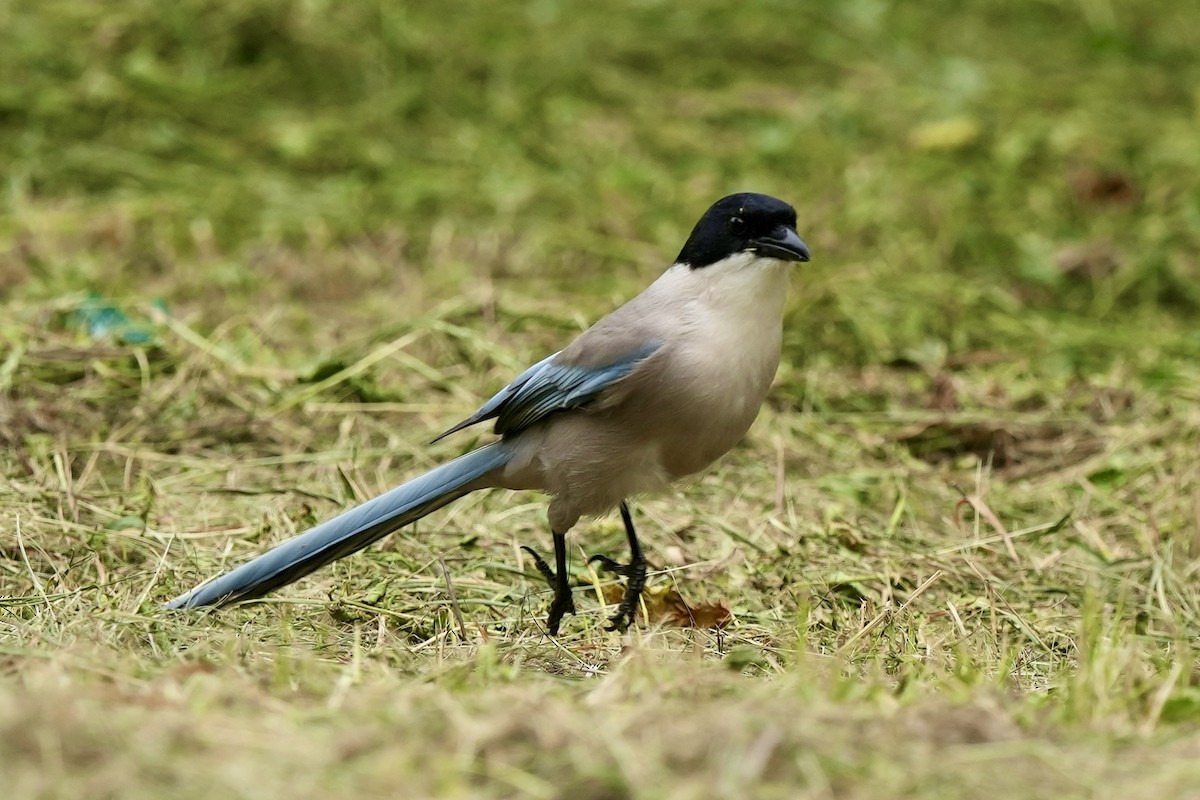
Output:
[[737, 226]]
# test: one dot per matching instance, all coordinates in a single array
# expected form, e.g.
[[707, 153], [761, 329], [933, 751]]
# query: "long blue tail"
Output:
[[349, 532]]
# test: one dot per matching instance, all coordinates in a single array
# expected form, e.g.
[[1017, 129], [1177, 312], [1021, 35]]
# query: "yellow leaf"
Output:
[[946, 134]]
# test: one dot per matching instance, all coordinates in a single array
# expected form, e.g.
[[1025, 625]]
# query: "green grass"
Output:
[[960, 544]]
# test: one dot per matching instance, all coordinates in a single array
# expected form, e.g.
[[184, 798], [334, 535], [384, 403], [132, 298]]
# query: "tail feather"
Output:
[[348, 532]]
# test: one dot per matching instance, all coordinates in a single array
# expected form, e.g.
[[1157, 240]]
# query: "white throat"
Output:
[[742, 285]]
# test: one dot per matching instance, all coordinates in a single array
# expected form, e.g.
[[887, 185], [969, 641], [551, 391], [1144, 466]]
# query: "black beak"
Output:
[[782, 243]]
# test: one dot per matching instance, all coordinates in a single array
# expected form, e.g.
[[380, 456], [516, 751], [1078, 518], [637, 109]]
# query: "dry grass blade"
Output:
[[883, 615]]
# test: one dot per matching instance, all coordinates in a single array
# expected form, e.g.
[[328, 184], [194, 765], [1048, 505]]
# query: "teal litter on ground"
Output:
[[103, 319]]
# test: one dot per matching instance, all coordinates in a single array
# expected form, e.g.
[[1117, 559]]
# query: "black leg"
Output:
[[559, 581], [634, 572]]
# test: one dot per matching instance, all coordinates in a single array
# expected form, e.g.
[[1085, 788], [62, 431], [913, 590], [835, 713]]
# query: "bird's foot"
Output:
[[563, 602], [635, 576]]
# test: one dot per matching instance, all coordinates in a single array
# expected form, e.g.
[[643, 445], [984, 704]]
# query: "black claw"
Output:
[[620, 621], [609, 565], [634, 572], [563, 602], [559, 607], [541, 565]]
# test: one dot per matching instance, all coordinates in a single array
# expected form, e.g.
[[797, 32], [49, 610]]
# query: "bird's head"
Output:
[[744, 223]]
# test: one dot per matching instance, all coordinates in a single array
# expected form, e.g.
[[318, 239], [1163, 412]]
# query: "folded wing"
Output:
[[551, 385]]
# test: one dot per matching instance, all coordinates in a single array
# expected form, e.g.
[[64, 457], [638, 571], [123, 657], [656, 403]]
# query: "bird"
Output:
[[652, 393]]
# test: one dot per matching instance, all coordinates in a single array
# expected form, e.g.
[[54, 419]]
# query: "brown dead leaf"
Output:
[[1092, 186], [664, 605]]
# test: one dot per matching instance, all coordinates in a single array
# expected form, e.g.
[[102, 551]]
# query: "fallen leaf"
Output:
[[664, 605], [946, 134], [1103, 187]]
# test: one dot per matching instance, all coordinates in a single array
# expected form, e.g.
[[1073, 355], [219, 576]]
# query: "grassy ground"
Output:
[[254, 255]]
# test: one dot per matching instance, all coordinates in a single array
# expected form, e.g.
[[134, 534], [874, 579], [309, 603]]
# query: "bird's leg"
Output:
[[634, 572], [559, 581]]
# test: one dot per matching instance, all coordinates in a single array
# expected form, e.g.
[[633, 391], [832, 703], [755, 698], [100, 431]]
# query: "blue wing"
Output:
[[550, 386]]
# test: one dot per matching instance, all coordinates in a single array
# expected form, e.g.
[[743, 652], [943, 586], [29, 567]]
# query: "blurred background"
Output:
[[1017, 177]]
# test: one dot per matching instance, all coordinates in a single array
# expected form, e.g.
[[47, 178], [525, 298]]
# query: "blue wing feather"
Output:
[[547, 387]]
